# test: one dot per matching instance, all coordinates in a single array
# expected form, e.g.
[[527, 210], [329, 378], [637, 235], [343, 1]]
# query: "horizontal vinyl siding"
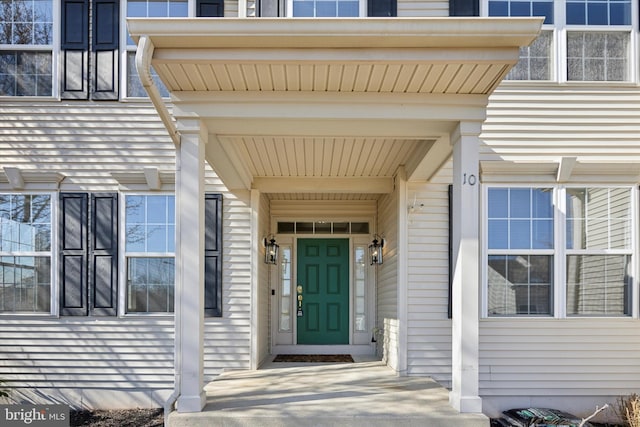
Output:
[[319, 209], [133, 355], [387, 280], [429, 333], [573, 357], [228, 338], [86, 141], [528, 124], [423, 8]]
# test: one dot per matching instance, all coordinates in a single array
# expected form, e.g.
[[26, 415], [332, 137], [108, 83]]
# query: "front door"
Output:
[[323, 291]]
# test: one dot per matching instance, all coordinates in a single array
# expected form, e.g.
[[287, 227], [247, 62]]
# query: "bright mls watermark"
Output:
[[34, 415]]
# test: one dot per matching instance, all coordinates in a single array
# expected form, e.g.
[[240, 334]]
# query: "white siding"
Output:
[[420, 8], [576, 363], [323, 209], [429, 329], [83, 360], [90, 361], [387, 285], [264, 285], [595, 124]]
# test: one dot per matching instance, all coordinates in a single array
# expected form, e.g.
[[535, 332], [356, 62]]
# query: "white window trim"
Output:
[[559, 292], [54, 307], [123, 255], [362, 9], [54, 47]]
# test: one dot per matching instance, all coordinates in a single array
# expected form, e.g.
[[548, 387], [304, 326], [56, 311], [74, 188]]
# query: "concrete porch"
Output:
[[365, 393]]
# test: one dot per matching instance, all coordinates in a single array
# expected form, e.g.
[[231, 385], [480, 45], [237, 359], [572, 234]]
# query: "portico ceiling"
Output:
[[328, 105]]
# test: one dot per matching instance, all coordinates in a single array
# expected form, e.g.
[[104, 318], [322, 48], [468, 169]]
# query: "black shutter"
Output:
[[74, 52], [104, 55], [103, 255], [210, 8], [450, 207], [464, 8], [213, 255], [73, 254], [382, 8]]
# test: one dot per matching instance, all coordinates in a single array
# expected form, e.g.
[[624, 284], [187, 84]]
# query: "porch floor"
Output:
[[365, 393]]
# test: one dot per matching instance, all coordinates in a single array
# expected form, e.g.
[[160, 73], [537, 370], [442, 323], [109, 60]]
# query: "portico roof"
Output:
[[289, 101]]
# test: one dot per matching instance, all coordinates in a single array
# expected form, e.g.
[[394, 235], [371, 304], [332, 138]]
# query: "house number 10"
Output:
[[471, 179]]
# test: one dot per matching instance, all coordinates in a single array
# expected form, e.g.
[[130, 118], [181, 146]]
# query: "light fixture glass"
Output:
[[375, 250], [270, 250]]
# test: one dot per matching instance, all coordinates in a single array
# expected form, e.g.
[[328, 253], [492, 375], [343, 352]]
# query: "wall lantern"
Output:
[[375, 250], [270, 250]]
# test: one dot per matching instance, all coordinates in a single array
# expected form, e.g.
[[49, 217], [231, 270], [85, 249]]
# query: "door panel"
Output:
[[323, 275]]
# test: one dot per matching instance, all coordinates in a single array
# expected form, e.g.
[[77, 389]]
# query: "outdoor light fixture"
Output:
[[270, 250], [375, 250]]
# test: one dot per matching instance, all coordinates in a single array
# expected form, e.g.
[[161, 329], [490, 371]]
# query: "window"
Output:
[[521, 250], [286, 277], [360, 285], [326, 8], [26, 37], [150, 253], [25, 253], [594, 36], [594, 256], [143, 9], [598, 244]]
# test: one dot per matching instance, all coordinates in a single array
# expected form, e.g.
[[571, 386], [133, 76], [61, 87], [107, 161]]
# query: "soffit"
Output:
[[288, 102]]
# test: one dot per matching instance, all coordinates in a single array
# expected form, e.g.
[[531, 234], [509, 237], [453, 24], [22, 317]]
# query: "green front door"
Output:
[[323, 284]]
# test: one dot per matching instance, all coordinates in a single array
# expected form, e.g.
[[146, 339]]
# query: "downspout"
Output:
[[143, 65]]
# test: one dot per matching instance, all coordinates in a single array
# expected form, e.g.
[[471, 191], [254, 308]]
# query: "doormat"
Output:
[[314, 358]]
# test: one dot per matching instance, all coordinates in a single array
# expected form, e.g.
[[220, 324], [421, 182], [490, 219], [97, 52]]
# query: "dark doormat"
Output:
[[314, 358]]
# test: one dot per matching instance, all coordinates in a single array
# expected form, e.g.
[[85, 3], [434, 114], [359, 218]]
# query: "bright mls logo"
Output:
[[34, 415]]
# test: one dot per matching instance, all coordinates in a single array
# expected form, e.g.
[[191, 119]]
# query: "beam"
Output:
[[379, 185], [423, 168], [152, 177], [227, 164]]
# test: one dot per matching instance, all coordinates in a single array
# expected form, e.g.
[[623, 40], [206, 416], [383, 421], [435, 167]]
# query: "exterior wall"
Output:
[[264, 284], [387, 286], [427, 8], [429, 333], [112, 361], [568, 363]]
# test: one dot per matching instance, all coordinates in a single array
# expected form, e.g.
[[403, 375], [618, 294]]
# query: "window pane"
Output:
[[25, 223], [285, 289], [535, 60], [150, 285], [25, 73], [519, 284], [598, 218], [25, 284], [325, 8], [598, 284], [520, 218], [597, 56], [360, 260], [150, 224]]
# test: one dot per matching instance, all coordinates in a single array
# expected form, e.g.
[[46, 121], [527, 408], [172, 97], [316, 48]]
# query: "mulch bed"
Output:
[[117, 418], [314, 358]]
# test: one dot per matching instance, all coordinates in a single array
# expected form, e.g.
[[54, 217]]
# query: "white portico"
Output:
[[272, 105]]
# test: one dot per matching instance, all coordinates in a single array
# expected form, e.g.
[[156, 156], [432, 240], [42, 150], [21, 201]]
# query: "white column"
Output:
[[464, 394], [189, 310], [403, 275]]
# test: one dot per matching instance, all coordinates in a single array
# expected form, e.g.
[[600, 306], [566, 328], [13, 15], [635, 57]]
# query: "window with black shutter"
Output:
[[210, 8], [382, 8], [88, 254], [464, 8], [89, 66]]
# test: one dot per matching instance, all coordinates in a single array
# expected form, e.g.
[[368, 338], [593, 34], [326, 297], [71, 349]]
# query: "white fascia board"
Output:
[[396, 32]]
